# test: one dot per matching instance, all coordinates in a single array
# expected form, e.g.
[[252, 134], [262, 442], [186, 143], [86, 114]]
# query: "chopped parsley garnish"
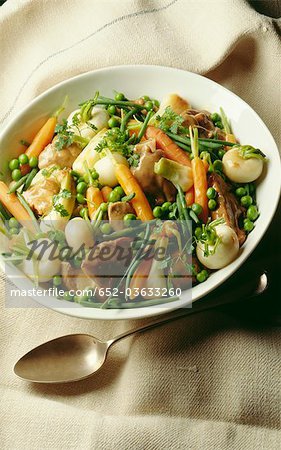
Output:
[[48, 172], [65, 193], [119, 141], [65, 137], [170, 121]]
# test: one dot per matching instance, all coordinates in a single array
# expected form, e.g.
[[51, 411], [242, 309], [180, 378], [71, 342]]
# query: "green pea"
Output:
[[202, 276], [157, 212], [104, 207], [219, 124], [129, 217], [67, 296], [14, 230], [252, 213], [212, 204], [57, 280], [198, 232], [215, 117], [80, 198], [248, 225], [211, 193], [156, 103], [119, 97], [114, 197], [166, 206], [113, 122], [240, 192], [81, 179], [94, 174], [84, 213], [196, 208], [81, 187], [105, 228], [33, 162], [111, 110], [221, 153], [16, 174], [246, 201], [146, 98], [218, 165], [23, 159], [13, 223], [149, 105], [14, 164], [119, 191]]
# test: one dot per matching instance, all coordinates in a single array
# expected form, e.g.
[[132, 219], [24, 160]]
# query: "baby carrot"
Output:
[[131, 186], [13, 205], [189, 196], [94, 200], [139, 277], [199, 175], [105, 190], [170, 149], [42, 138], [44, 135]]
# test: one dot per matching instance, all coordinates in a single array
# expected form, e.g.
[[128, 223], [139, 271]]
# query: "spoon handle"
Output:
[[253, 288]]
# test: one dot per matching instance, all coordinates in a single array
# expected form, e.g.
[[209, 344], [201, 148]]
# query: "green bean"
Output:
[[144, 126], [29, 210], [18, 184], [211, 143], [185, 147], [126, 119], [126, 232], [30, 177], [218, 141], [121, 103]]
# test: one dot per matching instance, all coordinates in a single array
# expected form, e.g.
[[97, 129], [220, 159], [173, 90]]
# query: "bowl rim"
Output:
[[146, 312]]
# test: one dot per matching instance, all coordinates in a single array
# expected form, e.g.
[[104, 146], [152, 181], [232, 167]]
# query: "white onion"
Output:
[[46, 269], [106, 170], [78, 233], [225, 252], [241, 170]]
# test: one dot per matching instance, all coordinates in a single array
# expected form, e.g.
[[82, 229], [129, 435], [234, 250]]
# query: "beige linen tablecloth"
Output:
[[209, 382]]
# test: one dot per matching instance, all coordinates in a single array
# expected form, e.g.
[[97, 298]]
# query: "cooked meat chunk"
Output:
[[40, 195], [203, 121], [62, 158], [108, 260], [228, 208], [160, 188], [44, 186], [116, 213], [189, 119], [76, 279]]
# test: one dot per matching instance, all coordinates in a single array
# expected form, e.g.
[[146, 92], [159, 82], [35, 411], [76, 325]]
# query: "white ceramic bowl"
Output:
[[154, 81]]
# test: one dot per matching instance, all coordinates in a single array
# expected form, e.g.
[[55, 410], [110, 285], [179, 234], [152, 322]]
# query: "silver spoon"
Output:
[[78, 356]]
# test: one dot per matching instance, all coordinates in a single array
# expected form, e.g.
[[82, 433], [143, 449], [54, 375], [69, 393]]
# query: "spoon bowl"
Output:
[[67, 358]]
